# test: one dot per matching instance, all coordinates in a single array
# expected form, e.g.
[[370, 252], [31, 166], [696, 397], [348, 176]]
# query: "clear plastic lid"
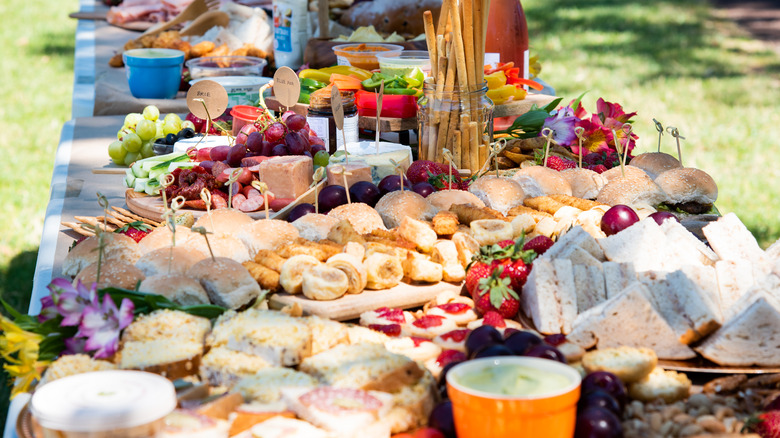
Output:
[[103, 400]]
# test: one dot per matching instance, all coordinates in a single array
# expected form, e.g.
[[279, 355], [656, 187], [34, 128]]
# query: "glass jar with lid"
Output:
[[321, 121]]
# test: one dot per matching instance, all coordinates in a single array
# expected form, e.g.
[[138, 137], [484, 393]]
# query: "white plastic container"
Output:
[[241, 90], [291, 31], [103, 404]]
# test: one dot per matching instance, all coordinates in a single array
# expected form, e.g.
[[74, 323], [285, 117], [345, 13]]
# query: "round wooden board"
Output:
[[151, 207], [516, 108]]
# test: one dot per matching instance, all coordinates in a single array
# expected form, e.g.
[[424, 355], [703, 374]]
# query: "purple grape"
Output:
[[207, 165], [244, 133], [294, 143], [555, 340], [391, 183], [286, 115], [219, 153], [300, 211], [608, 382], [365, 192], [442, 418], [617, 219], [254, 142], [316, 147], [492, 350], [235, 155], [444, 371], [660, 216], [596, 422], [280, 150], [601, 399], [522, 341], [482, 336], [266, 148], [275, 132], [295, 122], [423, 189], [331, 197], [546, 352]]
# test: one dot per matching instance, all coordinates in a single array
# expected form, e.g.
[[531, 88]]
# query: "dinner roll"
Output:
[[363, 217], [180, 289], [222, 245], [224, 220], [500, 194], [118, 247], [314, 226], [172, 260], [227, 282], [394, 206], [542, 181], [444, 199], [113, 273], [266, 234], [161, 237]]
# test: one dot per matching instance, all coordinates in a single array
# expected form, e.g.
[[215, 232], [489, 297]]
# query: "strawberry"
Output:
[[420, 170], [539, 244], [428, 321], [136, 230], [504, 244], [518, 271], [593, 158], [493, 318], [598, 168], [495, 294], [766, 425], [448, 356], [558, 163], [442, 181], [476, 272], [388, 329]]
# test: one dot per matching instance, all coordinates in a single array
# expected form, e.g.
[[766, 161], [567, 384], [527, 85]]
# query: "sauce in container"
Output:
[[103, 404]]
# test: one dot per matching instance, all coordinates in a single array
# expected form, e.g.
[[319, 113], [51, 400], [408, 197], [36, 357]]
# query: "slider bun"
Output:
[[178, 288], [585, 183], [363, 217], [314, 226], [118, 247], [266, 234], [542, 181], [500, 194], [227, 282], [631, 190], [444, 199], [615, 172], [226, 220], [160, 237], [172, 260], [394, 206], [113, 273], [655, 163], [686, 184], [222, 245]]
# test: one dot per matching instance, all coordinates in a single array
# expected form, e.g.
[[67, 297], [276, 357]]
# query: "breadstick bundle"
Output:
[[455, 115]]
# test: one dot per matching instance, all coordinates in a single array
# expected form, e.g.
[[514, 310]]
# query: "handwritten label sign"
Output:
[[213, 96], [337, 106], [287, 87]]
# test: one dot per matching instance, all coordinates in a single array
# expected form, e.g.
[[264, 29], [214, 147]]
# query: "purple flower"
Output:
[[71, 301], [48, 309], [101, 325], [562, 125], [74, 345]]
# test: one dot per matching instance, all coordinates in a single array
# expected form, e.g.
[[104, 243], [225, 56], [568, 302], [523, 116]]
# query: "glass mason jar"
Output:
[[460, 121]]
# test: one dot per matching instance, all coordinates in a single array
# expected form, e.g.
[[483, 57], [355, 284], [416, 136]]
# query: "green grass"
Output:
[[677, 62], [37, 40]]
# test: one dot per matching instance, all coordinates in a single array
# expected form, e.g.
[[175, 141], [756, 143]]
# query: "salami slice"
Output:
[[195, 204], [238, 199], [340, 400], [251, 192], [254, 203]]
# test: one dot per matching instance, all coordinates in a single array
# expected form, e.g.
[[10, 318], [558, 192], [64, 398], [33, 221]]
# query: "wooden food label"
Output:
[[337, 107], [287, 87], [207, 98]]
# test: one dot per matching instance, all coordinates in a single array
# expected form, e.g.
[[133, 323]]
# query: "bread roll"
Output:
[[172, 260], [227, 283], [222, 245], [394, 206], [655, 163], [444, 199], [314, 226], [118, 247], [266, 234], [224, 220], [161, 237], [542, 181], [498, 193], [180, 289], [363, 217], [112, 274]]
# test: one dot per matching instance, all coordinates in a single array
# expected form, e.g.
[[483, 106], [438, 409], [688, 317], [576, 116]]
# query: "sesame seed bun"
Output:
[[686, 184], [118, 247], [178, 288], [113, 273], [160, 237], [630, 171], [498, 193], [585, 183], [222, 245], [655, 163], [225, 220], [227, 282], [266, 234], [444, 199], [172, 260], [363, 217], [631, 190], [314, 226], [542, 181], [394, 206]]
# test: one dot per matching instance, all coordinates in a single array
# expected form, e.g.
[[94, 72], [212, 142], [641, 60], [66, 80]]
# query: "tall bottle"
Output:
[[506, 38]]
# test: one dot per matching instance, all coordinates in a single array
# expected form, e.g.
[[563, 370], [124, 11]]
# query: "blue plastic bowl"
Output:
[[153, 73]]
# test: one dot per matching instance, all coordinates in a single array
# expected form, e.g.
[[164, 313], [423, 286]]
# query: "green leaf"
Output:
[[147, 303], [554, 104], [576, 102]]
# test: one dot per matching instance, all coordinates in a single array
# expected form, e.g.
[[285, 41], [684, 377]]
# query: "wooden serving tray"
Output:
[[151, 207], [350, 306]]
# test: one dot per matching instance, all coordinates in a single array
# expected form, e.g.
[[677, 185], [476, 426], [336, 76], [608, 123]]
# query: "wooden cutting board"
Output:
[[516, 108], [151, 207], [349, 306]]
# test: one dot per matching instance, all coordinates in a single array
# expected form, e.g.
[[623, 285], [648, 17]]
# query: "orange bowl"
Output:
[[482, 414]]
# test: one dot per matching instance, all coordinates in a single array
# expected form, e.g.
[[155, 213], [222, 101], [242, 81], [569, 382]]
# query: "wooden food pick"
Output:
[[451, 163], [548, 134], [660, 128], [398, 168], [337, 107], [103, 202], [676, 134], [166, 181], [578, 131], [205, 195], [344, 173], [627, 128], [319, 174], [202, 231], [207, 99], [323, 12], [379, 97], [231, 179], [170, 221], [263, 189], [619, 148]]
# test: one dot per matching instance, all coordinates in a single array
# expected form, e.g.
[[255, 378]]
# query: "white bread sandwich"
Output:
[[617, 276], [222, 367], [730, 239], [549, 296], [688, 247], [643, 244], [655, 163], [751, 337], [628, 319], [735, 278], [118, 247], [500, 194], [347, 412], [576, 236], [590, 286]]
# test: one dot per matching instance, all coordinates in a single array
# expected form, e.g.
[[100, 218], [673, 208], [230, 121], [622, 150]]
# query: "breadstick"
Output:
[[456, 147], [478, 151], [466, 152], [135, 216], [430, 38], [479, 43], [449, 84], [444, 15], [78, 228], [460, 51]]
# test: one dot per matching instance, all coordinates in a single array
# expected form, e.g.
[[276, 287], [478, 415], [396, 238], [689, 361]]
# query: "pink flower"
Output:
[[74, 345], [598, 136], [101, 325], [71, 301], [562, 125], [48, 309]]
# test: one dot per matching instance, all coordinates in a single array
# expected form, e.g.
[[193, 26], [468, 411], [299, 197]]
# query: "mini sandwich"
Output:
[[655, 163], [543, 181], [363, 217], [690, 191], [500, 194], [394, 206], [633, 189]]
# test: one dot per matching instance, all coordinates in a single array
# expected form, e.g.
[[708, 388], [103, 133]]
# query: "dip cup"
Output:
[[153, 73], [480, 414]]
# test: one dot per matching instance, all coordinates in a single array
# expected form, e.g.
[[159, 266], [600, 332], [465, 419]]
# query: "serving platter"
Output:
[[350, 306], [151, 207], [24, 423]]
